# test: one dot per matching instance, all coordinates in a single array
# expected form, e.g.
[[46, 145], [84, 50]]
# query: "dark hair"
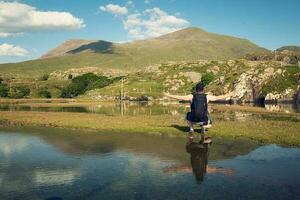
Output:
[[199, 87]]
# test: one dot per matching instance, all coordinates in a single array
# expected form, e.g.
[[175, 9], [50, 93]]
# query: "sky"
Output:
[[30, 28]]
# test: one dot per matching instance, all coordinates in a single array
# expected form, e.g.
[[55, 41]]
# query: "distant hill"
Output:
[[288, 55], [295, 49], [188, 44]]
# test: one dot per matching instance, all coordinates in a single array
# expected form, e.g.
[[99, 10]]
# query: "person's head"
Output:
[[200, 87]]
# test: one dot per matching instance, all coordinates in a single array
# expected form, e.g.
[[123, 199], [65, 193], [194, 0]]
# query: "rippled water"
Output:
[[63, 164]]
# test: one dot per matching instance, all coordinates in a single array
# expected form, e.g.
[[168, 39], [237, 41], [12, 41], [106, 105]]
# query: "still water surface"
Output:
[[130, 108], [150, 108], [62, 164]]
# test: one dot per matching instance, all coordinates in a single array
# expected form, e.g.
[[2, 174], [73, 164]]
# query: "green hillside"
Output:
[[185, 45], [294, 49]]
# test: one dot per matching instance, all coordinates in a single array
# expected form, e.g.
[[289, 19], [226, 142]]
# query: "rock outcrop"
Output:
[[247, 87], [287, 96]]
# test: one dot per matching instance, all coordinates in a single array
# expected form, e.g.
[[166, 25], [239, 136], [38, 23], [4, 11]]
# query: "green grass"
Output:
[[266, 131]]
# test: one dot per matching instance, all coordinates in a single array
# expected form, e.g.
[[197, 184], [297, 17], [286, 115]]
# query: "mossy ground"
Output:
[[267, 131]]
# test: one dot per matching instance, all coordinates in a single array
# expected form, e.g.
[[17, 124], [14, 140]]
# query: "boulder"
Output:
[[215, 70], [286, 96], [231, 63], [195, 77]]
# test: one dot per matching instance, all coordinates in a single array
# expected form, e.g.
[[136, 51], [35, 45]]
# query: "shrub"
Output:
[[70, 76], [83, 83], [207, 78], [3, 90], [45, 77], [1, 80], [44, 94], [18, 92]]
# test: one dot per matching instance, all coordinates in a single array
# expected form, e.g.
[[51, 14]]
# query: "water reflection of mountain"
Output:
[[78, 143]]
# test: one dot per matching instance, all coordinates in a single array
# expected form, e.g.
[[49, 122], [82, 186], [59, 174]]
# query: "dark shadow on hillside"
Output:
[[96, 47]]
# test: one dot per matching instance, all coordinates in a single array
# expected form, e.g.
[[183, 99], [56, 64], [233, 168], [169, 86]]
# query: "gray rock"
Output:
[[195, 77]]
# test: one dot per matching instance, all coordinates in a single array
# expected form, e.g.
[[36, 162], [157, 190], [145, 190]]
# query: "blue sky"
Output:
[[29, 28]]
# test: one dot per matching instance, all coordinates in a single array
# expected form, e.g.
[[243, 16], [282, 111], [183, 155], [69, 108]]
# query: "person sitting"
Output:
[[199, 105]]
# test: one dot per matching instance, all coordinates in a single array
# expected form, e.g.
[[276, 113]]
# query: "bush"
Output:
[[1, 80], [45, 77], [44, 94], [83, 83], [3, 90], [72, 90], [207, 78], [18, 92]]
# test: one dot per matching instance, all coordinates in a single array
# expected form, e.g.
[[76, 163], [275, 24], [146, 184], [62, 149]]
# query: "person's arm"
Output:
[[220, 97], [178, 97]]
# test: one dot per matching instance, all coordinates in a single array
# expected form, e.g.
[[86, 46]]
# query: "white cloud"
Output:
[[11, 50], [130, 3], [18, 17], [147, 1], [114, 9], [152, 23]]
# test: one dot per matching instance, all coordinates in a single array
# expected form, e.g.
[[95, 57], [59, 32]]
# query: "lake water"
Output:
[[150, 108], [130, 108], [43, 163]]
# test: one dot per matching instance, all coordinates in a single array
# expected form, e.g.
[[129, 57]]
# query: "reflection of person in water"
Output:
[[199, 159]]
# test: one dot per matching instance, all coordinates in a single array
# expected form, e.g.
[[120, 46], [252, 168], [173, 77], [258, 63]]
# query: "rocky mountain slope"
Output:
[[251, 81]]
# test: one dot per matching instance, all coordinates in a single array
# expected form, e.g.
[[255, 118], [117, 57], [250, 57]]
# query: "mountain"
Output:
[[294, 49], [188, 45], [66, 47]]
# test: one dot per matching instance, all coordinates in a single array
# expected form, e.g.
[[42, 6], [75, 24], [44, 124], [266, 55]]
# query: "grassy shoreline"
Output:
[[65, 102], [265, 131]]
